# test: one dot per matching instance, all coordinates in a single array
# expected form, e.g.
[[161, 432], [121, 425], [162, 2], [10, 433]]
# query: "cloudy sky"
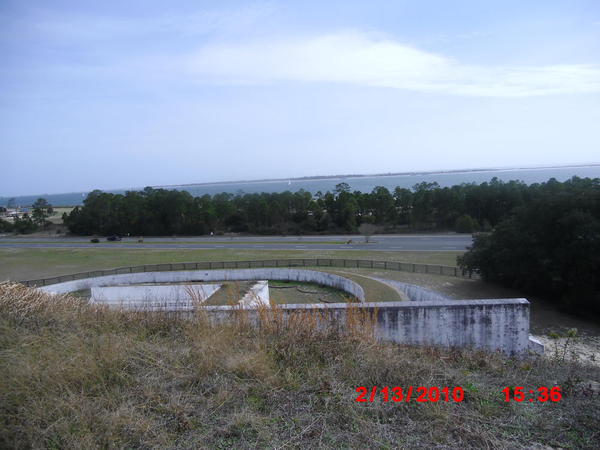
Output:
[[120, 93]]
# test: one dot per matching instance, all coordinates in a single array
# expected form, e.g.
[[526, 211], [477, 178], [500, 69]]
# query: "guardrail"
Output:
[[298, 262]]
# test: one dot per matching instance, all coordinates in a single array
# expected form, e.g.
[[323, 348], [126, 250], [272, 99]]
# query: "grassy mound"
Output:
[[78, 376]]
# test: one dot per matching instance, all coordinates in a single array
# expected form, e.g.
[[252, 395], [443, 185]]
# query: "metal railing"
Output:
[[297, 262]]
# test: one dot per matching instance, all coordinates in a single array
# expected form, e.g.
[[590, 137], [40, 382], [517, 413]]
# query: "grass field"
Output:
[[23, 264], [297, 292], [56, 218], [74, 376]]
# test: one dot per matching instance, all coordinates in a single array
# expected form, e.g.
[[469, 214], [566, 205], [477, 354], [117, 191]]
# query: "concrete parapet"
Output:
[[494, 325]]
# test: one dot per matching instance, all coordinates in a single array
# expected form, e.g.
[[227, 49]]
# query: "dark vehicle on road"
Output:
[[94, 241], [113, 238]]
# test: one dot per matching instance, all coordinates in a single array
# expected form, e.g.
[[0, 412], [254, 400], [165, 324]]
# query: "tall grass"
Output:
[[74, 375]]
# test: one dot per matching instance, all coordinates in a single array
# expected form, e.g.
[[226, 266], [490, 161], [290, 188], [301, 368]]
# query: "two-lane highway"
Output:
[[450, 242]]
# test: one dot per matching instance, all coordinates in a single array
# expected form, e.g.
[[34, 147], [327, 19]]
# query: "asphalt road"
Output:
[[451, 242]]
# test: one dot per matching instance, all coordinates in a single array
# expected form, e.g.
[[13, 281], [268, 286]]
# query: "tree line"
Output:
[[427, 206]]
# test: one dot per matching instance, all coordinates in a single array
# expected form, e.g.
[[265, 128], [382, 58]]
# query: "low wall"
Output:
[[500, 324], [310, 276], [177, 297], [413, 292]]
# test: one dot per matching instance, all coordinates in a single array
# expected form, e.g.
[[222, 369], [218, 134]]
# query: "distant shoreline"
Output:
[[341, 178], [389, 174]]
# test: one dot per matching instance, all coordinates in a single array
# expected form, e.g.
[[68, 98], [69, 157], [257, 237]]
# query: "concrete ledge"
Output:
[[312, 276]]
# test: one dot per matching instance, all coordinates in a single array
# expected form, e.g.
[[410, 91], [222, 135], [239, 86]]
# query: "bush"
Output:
[[25, 225], [5, 226]]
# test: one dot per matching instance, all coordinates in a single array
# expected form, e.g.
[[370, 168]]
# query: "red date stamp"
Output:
[[419, 394]]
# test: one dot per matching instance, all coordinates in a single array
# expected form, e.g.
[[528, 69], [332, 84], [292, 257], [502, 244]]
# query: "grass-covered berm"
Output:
[[78, 376]]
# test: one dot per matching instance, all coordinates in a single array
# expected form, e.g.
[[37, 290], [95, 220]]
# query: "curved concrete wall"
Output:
[[309, 276], [415, 293]]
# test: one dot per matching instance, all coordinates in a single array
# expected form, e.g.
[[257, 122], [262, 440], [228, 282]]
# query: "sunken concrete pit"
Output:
[[310, 276], [491, 324]]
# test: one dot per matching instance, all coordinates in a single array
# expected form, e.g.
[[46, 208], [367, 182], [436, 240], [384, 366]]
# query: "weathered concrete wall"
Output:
[[154, 298], [413, 292], [487, 324], [310, 276], [257, 295]]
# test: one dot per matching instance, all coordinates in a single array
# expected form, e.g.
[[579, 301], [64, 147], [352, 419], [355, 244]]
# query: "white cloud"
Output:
[[367, 60]]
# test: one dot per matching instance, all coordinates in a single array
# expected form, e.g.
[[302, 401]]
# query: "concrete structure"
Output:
[[309, 276], [494, 325], [257, 295], [176, 297]]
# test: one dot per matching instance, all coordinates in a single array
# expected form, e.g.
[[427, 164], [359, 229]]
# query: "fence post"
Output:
[[413, 267], [441, 270], [371, 264], [426, 268]]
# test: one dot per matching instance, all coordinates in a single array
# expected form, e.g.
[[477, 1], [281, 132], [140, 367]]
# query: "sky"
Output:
[[114, 94]]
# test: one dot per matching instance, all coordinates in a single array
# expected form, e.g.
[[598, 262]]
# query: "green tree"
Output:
[[549, 247], [41, 211]]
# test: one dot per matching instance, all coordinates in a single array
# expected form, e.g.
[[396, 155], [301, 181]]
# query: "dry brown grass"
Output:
[[79, 376]]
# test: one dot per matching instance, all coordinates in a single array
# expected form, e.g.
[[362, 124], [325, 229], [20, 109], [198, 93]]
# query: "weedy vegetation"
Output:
[[74, 375]]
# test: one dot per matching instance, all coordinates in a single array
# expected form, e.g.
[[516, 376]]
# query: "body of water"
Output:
[[363, 184]]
